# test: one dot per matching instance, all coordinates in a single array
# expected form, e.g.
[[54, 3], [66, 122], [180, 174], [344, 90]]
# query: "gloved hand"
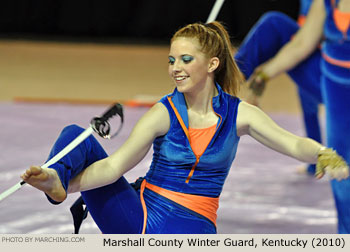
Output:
[[330, 162], [258, 83]]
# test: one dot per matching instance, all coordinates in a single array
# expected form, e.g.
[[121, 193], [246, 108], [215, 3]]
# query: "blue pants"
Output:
[[264, 40], [337, 104], [116, 208]]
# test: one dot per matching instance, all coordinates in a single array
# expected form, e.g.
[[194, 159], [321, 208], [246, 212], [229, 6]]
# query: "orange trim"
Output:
[[341, 63], [192, 170], [205, 206], [198, 157], [301, 20], [179, 118], [143, 203], [188, 135], [217, 116]]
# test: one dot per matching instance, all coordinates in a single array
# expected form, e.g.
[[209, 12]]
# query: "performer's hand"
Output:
[[257, 83], [331, 163]]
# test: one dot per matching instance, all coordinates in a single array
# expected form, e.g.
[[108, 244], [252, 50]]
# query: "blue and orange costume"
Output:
[[335, 83], [323, 77], [179, 193], [265, 39]]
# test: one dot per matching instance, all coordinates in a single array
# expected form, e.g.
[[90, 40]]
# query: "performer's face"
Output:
[[188, 66]]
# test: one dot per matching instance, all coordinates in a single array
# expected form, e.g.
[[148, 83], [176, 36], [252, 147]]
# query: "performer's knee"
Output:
[[271, 17], [72, 129]]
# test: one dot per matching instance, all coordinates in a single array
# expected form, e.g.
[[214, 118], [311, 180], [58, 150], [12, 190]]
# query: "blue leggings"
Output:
[[116, 208], [264, 40], [337, 104]]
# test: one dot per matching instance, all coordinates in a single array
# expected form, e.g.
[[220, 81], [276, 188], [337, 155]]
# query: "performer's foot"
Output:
[[46, 180]]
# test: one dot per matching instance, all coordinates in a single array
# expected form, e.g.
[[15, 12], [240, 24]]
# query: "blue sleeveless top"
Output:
[[175, 167]]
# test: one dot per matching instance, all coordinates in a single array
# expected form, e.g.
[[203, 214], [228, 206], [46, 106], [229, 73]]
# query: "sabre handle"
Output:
[[116, 109], [101, 125]]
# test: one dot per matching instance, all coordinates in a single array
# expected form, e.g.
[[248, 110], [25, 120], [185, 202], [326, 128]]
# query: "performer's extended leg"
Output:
[[337, 104], [116, 208], [264, 40]]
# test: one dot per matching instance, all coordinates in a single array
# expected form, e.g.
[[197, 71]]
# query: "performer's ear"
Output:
[[213, 64]]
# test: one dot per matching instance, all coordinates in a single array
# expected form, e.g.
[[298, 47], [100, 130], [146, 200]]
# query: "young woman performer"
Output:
[[265, 39], [328, 20], [194, 132]]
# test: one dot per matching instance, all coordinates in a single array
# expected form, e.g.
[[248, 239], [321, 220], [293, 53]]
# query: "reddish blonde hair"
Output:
[[215, 42]]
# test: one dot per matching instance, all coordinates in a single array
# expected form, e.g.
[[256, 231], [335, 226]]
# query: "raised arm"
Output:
[[154, 123], [305, 41], [254, 122]]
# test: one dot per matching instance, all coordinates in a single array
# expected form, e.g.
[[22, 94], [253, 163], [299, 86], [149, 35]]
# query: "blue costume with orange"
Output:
[[265, 39], [181, 190], [323, 77], [335, 67]]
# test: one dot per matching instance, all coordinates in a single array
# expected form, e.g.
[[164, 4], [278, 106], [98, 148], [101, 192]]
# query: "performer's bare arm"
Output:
[[305, 41], [254, 122], [154, 123]]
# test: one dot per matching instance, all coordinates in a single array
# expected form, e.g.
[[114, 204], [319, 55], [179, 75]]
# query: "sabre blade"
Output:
[[215, 10], [11, 190]]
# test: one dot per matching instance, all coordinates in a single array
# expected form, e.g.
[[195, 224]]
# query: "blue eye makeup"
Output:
[[187, 58], [171, 60]]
